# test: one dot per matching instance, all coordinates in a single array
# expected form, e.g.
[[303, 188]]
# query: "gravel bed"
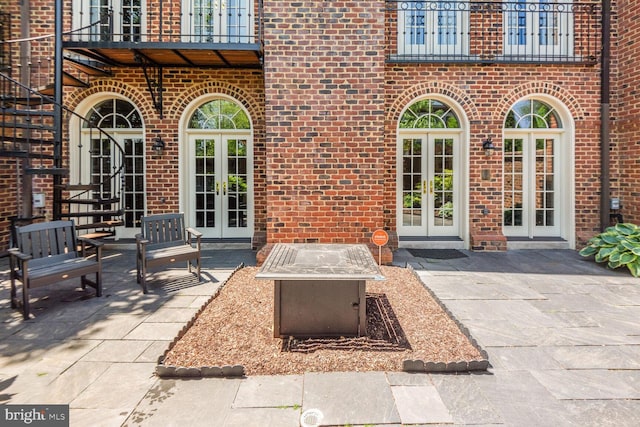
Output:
[[404, 322]]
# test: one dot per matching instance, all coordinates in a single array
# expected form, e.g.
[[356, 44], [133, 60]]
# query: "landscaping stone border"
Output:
[[409, 365]]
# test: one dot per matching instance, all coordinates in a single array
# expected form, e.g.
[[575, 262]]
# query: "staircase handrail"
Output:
[[51, 100]]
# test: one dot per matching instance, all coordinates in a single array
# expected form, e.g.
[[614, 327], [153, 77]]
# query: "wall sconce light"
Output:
[[158, 146], [487, 146]]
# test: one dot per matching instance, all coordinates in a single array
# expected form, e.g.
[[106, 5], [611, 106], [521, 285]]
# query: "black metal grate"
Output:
[[437, 253]]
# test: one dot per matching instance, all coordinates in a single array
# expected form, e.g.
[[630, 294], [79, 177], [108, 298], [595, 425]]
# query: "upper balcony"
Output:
[[513, 31], [184, 33]]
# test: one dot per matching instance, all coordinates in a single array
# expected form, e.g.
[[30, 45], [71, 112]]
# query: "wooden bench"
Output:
[[164, 241], [46, 253]]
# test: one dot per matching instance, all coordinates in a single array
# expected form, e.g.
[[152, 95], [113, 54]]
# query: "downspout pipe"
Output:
[[605, 92], [57, 112]]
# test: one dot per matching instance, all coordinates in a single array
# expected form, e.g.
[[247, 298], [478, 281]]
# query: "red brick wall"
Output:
[[486, 93], [324, 74], [625, 108], [181, 87]]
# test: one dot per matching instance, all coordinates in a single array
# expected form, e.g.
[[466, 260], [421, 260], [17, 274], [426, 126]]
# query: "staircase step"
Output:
[[47, 171], [103, 224], [92, 213], [31, 101], [87, 67], [26, 113], [78, 187], [92, 201], [24, 154], [9, 139], [18, 125], [67, 80]]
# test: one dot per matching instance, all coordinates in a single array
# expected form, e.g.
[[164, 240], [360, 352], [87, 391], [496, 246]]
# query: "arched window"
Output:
[[114, 114], [219, 114], [429, 114], [532, 114]]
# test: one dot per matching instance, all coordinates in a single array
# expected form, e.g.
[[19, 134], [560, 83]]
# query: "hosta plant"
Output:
[[618, 246]]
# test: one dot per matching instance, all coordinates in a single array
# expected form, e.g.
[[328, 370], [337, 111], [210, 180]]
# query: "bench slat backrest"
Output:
[[163, 230], [47, 242]]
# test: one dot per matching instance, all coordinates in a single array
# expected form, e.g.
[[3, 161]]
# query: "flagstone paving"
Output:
[[562, 334]]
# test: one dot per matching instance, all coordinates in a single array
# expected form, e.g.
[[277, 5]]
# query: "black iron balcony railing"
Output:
[[166, 21], [514, 31]]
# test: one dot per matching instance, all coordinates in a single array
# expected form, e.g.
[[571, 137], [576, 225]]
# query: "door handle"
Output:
[[424, 187], [217, 188], [224, 188], [431, 187]]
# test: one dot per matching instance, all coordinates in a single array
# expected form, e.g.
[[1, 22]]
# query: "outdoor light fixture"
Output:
[[158, 146], [487, 146]]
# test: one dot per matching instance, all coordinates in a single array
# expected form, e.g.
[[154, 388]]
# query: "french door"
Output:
[[531, 185], [219, 195], [109, 20], [432, 28], [538, 27], [428, 196]]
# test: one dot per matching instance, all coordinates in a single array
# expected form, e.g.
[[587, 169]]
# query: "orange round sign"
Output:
[[380, 237]]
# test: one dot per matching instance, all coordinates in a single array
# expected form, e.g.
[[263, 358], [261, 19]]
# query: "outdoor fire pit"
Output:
[[319, 288]]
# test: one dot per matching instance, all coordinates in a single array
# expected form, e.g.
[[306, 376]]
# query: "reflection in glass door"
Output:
[[428, 195], [530, 195], [220, 182]]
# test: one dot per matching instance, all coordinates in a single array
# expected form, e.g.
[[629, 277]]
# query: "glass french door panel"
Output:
[[518, 28], [131, 20], [217, 21], [428, 27], [101, 167], [110, 20], [413, 184], [442, 187], [555, 27], [545, 184], [237, 184], [206, 190], [513, 182], [134, 187]]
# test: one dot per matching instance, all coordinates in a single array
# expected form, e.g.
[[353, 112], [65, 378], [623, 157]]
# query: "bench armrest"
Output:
[[191, 232], [85, 243], [90, 242], [15, 252], [140, 240], [194, 233]]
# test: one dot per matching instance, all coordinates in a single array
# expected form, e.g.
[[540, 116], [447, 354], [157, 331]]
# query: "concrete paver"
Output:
[[350, 397], [270, 392], [420, 405], [562, 334]]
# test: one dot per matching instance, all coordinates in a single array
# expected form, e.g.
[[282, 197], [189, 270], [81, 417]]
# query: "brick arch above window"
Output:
[[219, 88], [530, 90], [140, 99], [432, 88]]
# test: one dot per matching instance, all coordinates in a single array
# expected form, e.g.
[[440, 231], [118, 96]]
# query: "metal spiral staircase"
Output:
[[33, 132]]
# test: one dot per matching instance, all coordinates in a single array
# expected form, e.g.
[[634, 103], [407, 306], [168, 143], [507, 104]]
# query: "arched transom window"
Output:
[[219, 114], [532, 114], [114, 114], [429, 114]]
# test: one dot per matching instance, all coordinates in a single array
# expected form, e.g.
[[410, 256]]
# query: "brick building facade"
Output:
[[340, 128]]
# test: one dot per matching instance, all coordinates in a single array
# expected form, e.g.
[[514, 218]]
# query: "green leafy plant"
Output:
[[618, 245]]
